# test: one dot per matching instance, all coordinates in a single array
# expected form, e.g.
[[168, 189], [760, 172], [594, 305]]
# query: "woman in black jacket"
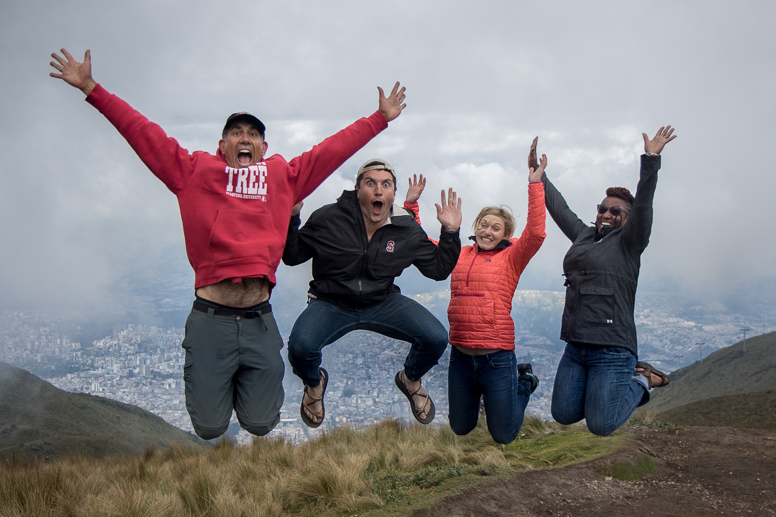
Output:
[[599, 377]]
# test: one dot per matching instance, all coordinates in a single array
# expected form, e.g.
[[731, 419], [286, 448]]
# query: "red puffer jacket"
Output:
[[483, 284]]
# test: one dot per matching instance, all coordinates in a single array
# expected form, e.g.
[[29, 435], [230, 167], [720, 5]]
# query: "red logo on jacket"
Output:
[[390, 246]]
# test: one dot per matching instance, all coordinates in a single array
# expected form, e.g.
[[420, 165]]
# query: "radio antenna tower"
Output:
[[745, 330], [700, 344]]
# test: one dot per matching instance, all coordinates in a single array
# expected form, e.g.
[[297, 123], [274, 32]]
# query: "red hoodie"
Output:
[[235, 221]]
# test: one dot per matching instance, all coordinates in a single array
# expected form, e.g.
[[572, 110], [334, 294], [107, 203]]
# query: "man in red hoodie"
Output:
[[235, 207]]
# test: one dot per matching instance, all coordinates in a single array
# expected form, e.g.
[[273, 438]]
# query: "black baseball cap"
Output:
[[244, 115]]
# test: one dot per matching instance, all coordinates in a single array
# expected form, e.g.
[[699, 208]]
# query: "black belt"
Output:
[[201, 307]]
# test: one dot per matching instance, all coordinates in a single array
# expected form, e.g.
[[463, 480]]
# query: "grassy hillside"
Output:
[[39, 420], [745, 411], [729, 371], [387, 470]]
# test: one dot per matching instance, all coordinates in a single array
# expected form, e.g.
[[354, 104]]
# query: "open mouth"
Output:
[[377, 207], [244, 157]]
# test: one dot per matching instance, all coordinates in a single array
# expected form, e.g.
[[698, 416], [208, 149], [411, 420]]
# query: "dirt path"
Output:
[[701, 471]]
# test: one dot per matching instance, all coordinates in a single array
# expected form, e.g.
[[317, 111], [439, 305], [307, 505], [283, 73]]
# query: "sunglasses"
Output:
[[615, 210]]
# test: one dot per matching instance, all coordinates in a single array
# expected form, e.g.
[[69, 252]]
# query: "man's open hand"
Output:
[[72, 72], [415, 189], [392, 105], [449, 214]]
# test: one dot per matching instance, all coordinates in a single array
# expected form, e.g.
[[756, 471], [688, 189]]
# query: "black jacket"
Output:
[[352, 271], [602, 269]]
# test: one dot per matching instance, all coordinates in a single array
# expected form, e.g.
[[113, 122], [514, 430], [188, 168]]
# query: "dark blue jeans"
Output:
[[494, 377], [397, 317], [597, 383]]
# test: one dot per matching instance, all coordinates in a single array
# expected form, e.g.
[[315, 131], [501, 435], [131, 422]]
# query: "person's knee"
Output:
[[260, 429], [460, 424], [209, 433], [499, 436], [436, 340], [440, 337], [302, 344], [600, 428], [460, 429], [562, 417]]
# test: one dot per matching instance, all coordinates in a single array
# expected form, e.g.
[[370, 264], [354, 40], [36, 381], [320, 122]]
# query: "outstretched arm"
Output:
[[78, 75], [533, 235], [567, 221], [639, 225], [162, 155], [392, 105], [314, 166]]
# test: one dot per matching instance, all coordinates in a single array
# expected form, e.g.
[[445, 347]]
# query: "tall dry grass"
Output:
[[342, 471]]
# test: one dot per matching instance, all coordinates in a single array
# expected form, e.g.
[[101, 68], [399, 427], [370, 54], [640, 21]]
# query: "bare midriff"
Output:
[[477, 351], [247, 293]]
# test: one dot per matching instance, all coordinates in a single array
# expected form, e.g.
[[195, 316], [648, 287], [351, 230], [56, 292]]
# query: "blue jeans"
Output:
[[397, 317], [494, 377], [597, 383]]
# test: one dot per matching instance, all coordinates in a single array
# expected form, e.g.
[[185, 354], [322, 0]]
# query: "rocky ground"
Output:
[[701, 471]]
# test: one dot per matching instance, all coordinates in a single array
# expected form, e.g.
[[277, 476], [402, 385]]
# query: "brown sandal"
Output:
[[400, 380], [647, 372], [309, 422]]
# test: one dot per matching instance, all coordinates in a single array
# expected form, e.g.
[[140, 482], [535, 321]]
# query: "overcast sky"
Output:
[[482, 78]]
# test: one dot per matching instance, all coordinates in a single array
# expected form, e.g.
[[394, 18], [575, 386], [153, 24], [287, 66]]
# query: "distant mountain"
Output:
[[39, 420], [728, 371]]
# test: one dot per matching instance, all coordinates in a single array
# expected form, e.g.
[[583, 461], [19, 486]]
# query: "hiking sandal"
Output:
[[648, 371], [309, 422], [407, 393]]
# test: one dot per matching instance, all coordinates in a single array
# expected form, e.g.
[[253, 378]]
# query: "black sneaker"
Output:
[[525, 373]]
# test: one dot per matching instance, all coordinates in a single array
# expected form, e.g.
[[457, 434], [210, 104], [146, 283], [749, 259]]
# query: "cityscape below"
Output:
[[142, 365]]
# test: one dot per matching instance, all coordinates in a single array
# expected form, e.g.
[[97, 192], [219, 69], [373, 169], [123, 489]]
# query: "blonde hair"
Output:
[[504, 212]]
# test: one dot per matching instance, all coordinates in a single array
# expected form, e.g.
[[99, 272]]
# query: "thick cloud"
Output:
[[482, 80]]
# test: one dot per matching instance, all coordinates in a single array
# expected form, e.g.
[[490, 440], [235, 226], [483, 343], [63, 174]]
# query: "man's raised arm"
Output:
[[314, 166]]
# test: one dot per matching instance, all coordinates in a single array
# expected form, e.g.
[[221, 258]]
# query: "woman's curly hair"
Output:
[[620, 192]]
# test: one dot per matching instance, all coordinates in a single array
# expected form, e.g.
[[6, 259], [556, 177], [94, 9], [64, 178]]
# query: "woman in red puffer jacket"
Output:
[[482, 333]]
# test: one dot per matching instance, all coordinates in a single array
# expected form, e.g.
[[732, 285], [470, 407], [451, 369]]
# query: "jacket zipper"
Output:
[[476, 252]]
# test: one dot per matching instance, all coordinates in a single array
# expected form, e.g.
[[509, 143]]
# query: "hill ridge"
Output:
[[39, 420], [728, 371]]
